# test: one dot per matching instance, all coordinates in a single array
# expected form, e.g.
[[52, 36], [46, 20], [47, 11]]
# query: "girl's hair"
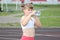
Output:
[[28, 6]]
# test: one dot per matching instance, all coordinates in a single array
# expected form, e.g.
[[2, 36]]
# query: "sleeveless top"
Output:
[[30, 24]]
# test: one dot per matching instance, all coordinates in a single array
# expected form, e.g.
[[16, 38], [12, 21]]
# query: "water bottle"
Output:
[[37, 13]]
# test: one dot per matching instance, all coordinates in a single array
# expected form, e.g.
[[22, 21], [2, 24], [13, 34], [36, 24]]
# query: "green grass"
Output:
[[9, 13], [54, 11], [5, 13], [46, 22], [53, 21], [9, 25]]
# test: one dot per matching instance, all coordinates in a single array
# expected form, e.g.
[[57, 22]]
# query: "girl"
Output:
[[28, 21]]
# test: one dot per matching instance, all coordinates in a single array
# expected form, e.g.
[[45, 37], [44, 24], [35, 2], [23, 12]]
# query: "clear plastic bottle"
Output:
[[38, 13]]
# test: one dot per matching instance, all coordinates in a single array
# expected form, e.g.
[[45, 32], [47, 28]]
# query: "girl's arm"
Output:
[[37, 22], [25, 19]]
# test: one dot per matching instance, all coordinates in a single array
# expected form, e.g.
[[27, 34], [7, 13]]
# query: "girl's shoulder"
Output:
[[23, 17]]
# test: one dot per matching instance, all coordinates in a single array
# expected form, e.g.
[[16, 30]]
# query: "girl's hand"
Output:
[[33, 12]]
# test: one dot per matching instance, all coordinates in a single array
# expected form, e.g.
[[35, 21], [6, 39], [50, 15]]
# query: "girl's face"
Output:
[[27, 11]]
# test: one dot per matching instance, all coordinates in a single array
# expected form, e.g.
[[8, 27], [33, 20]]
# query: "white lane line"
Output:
[[11, 35], [8, 32], [47, 30], [49, 35], [8, 38], [36, 30]]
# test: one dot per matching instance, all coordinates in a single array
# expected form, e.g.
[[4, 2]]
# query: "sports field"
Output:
[[50, 16]]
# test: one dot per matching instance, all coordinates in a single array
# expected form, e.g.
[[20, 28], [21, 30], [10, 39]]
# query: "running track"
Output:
[[41, 34]]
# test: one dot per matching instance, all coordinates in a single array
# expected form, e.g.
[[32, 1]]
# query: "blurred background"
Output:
[[10, 12]]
